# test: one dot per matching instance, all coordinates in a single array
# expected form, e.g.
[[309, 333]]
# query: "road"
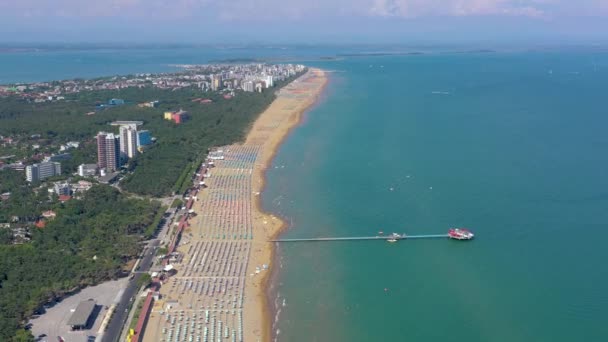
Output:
[[122, 308], [121, 313]]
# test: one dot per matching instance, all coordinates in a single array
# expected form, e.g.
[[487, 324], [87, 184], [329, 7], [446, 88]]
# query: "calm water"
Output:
[[66, 64], [515, 148], [45, 65], [55, 64]]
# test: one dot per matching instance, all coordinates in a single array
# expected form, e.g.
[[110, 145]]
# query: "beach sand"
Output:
[[269, 130], [216, 289]]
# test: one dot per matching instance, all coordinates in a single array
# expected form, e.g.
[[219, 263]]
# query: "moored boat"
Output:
[[394, 237], [460, 234]]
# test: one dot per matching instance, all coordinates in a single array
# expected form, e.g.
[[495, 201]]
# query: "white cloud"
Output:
[[420, 8], [230, 10]]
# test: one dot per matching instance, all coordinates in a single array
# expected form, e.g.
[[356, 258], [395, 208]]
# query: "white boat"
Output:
[[394, 237]]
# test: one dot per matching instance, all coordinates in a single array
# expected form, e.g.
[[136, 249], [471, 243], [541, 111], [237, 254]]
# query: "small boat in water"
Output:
[[394, 237], [460, 234]]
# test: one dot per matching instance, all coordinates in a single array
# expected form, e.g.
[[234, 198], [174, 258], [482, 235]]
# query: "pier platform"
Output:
[[359, 238]]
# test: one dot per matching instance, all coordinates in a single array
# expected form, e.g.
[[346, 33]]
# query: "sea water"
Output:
[[57, 62], [513, 146]]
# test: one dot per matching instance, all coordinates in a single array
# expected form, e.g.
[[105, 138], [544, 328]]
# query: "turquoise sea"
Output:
[[513, 146], [58, 62]]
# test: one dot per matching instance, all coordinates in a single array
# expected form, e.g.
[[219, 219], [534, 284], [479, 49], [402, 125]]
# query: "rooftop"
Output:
[[108, 178], [64, 198], [81, 315], [120, 123]]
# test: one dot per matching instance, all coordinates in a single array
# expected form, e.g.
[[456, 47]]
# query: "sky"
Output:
[[304, 21]]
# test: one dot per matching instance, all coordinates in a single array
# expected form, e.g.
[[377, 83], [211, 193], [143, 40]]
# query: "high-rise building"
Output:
[[108, 151], [269, 81], [248, 86], [216, 82], [38, 172], [128, 141]]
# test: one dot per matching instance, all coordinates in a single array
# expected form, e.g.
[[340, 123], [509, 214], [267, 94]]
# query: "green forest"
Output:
[[88, 242], [24, 202]]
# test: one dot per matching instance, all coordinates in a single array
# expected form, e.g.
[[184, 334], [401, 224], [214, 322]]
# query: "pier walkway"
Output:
[[357, 238]]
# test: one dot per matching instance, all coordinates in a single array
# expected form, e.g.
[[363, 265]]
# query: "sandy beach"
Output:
[[270, 129], [219, 290]]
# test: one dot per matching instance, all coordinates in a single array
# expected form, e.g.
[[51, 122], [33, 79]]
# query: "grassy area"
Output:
[[177, 203], [183, 180]]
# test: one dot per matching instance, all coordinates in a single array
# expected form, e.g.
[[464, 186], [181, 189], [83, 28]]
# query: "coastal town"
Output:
[[204, 248], [303, 171], [223, 78], [42, 159]]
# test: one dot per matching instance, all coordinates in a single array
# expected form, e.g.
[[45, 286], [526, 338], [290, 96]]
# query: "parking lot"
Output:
[[53, 322]]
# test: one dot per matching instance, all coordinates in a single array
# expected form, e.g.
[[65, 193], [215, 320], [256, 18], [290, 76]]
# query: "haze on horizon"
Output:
[[304, 21]]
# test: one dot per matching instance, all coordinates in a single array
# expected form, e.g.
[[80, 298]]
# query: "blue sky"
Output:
[[299, 21]]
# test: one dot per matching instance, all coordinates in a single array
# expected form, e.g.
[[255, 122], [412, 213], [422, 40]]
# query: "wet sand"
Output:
[[269, 130]]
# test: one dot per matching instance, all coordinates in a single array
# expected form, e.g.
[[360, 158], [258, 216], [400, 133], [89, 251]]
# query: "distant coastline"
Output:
[[376, 54]]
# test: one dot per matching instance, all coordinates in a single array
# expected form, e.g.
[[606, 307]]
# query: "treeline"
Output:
[[88, 242], [155, 172], [219, 123]]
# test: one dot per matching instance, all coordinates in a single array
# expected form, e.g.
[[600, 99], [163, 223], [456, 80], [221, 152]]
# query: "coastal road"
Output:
[[120, 316], [112, 333]]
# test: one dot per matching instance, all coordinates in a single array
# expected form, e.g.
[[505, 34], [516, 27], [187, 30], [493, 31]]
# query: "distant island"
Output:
[[237, 60], [372, 54]]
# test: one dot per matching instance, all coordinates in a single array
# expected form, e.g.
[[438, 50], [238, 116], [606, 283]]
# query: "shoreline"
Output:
[[224, 253], [296, 99]]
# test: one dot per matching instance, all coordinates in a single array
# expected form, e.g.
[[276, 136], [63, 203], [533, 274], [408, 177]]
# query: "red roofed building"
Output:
[[40, 224], [179, 117], [65, 198]]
